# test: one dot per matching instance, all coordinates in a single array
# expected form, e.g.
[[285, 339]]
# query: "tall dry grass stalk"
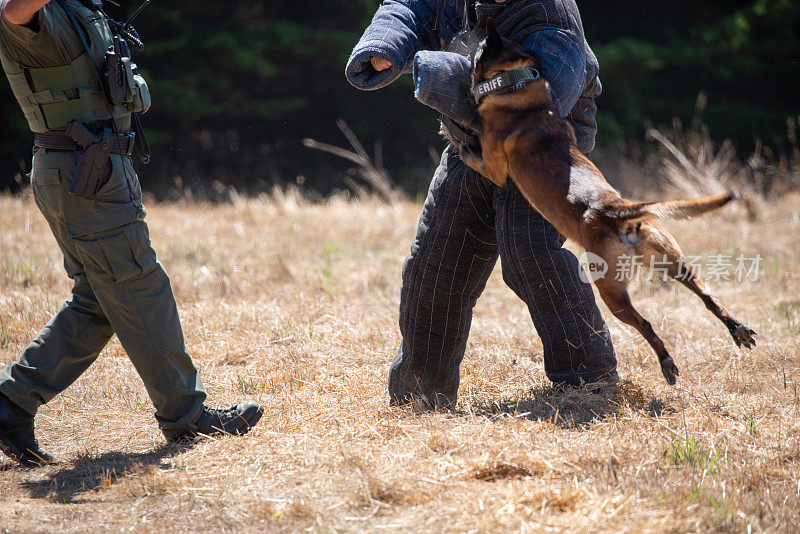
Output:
[[692, 163], [689, 163], [369, 169], [294, 304]]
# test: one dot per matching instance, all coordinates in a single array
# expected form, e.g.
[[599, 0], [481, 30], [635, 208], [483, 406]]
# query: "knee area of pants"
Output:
[[532, 238]]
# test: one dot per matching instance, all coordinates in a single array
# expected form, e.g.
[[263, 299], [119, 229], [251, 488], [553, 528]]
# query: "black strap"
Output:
[[109, 103], [141, 139], [507, 80], [439, 10], [120, 144], [144, 146], [471, 14], [80, 31]]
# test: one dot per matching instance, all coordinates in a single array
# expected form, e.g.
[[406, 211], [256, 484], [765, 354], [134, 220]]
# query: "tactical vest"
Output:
[[52, 96]]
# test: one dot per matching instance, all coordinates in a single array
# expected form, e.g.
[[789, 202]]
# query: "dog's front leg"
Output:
[[474, 160]]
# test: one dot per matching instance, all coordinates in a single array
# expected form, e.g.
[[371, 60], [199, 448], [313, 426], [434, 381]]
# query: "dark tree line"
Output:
[[237, 85]]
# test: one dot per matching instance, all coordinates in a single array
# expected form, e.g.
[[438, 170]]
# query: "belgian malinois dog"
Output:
[[523, 139]]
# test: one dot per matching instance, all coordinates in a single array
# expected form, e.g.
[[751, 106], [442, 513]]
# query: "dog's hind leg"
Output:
[[616, 297], [742, 335], [659, 242]]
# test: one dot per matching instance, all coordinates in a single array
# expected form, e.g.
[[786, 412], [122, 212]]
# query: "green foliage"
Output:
[[745, 61], [237, 85], [5, 338], [687, 451], [21, 275]]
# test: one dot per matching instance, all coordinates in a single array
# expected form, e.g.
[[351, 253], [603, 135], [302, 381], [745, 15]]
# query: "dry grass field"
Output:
[[294, 304]]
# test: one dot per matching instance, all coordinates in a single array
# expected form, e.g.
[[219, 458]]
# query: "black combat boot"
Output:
[[236, 420], [16, 435]]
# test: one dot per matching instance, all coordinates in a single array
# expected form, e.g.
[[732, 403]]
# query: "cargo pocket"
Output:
[[117, 256], [47, 192], [138, 236], [45, 177]]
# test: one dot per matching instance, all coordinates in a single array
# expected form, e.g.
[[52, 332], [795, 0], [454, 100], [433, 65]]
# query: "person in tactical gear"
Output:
[[467, 221], [70, 69]]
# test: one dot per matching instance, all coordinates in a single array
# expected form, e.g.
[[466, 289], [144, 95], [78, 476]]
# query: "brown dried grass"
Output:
[[294, 304]]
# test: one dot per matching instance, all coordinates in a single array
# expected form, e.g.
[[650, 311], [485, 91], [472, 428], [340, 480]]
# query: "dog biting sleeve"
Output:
[[550, 27], [442, 81], [398, 30]]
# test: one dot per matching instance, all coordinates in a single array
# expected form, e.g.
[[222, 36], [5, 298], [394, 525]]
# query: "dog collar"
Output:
[[510, 80]]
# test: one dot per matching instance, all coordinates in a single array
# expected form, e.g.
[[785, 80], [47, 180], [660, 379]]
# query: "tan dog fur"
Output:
[[524, 140]]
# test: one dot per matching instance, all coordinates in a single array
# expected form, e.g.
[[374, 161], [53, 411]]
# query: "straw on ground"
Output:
[[294, 304]]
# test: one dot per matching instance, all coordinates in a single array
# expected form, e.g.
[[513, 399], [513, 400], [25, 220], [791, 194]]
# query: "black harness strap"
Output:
[[141, 140], [109, 103]]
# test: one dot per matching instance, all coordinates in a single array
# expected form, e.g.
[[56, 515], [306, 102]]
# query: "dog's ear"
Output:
[[494, 43]]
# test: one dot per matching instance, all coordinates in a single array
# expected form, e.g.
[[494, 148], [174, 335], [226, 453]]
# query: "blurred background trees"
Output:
[[238, 85]]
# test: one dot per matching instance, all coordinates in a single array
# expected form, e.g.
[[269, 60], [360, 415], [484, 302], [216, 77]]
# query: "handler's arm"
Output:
[[563, 65], [21, 12], [442, 80], [398, 30]]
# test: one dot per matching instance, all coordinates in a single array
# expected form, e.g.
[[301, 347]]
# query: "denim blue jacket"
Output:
[[431, 39]]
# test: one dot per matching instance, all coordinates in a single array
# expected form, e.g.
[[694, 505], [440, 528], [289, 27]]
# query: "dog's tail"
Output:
[[673, 209]]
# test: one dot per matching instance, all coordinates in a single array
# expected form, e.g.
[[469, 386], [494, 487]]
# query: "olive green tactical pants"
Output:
[[120, 288]]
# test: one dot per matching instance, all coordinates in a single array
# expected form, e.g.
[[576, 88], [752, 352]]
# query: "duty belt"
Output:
[[121, 144]]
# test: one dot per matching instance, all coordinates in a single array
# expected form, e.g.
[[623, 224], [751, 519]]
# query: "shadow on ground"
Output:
[[574, 408], [90, 472]]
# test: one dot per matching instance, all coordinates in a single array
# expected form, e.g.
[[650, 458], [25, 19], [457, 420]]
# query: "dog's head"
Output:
[[496, 55]]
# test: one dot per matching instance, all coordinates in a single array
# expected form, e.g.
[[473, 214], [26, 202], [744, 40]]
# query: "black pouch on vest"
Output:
[[92, 160], [114, 74]]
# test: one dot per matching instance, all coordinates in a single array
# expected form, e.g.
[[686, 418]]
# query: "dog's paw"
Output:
[[670, 371], [744, 337]]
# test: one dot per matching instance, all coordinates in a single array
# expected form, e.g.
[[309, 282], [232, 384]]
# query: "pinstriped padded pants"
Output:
[[466, 223]]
